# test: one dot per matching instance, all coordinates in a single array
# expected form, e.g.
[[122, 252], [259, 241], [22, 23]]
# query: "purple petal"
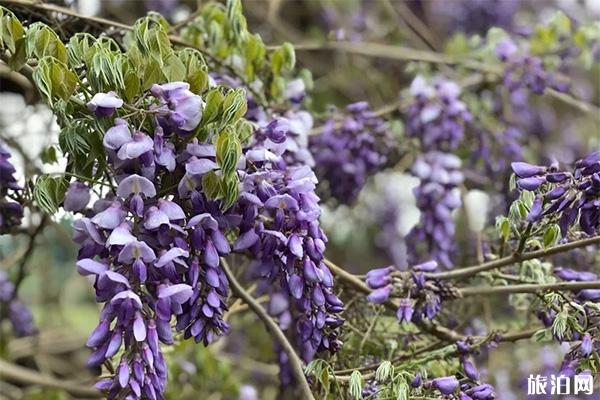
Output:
[[200, 166], [117, 136], [87, 266], [135, 184], [171, 255]]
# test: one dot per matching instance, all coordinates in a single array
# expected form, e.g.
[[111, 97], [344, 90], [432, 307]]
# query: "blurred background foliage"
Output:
[[241, 365]]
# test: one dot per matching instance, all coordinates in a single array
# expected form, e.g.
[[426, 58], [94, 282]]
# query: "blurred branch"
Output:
[[528, 288], [404, 13], [22, 271], [379, 50], [23, 375], [294, 360]]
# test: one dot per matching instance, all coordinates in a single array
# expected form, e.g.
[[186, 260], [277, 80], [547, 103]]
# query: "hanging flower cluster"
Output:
[[13, 310], [155, 256], [523, 70], [565, 196], [436, 115], [288, 243], [437, 196], [349, 151], [11, 209]]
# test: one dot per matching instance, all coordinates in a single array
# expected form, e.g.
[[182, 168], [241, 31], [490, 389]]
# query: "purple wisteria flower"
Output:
[[77, 197], [180, 110], [437, 197], [11, 210], [419, 297], [564, 196], [12, 309], [523, 70], [104, 104], [347, 152], [445, 385], [153, 247], [436, 115]]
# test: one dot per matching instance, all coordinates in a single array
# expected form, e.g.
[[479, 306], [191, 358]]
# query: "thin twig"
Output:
[[295, 362], [22, 273], [509, 260], [528, 288]]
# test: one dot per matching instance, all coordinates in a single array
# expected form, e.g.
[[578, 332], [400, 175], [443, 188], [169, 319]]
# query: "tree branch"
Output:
[[19, 374], [528, 288], [296, 363], [27, 255], [509, 260], [380, 50]]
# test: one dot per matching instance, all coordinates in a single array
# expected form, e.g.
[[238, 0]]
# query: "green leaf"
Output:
[[54, 79], [49, 192], [559, 326], [403, 390], [211, 185], [132, 86], [19, 57], [11, 30], [196, 70], [42, 41], [356, 385], [283, 59], [383, 371], [230, 187], [78, 49], [229, 151], [244, 130], [503, 227], [214, 98], [551, 235], [234, 106], [543, 335], [153, 73], [49, 155]]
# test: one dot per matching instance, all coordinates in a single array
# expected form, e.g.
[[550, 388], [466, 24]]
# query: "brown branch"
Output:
[[295, 362], [22, 272]]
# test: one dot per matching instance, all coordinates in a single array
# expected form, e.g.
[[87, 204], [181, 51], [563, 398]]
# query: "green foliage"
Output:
[[54, 79], [42, 41], [356, 385], [68, 75], [49, 192], [223, 30], [11, 30]]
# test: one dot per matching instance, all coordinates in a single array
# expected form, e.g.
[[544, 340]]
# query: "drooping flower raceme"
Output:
[[349, 151], [437, 196], [289, 245], [11, 210], [13, 310], [523, 70], [436, 115], [154, 246]]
